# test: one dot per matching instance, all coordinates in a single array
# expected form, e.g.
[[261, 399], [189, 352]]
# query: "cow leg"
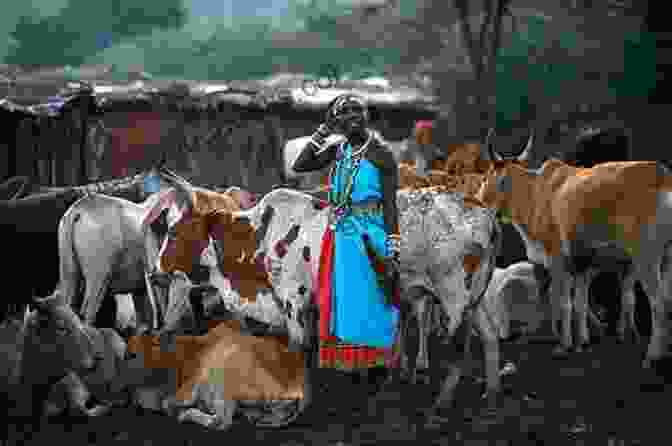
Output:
[[561, 288], [489, 336], [650, 280], [410, 340], [211, 396], [201, 418], [96, 290], [446, 396], [146, 311], [626, 321], [224, 411], [581, 284], [416, 323], [157, 299], [79, 397], [423, 332], [452, 290]]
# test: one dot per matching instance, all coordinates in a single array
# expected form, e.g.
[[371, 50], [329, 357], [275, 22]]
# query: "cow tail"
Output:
[[70, 270], [487, 267]]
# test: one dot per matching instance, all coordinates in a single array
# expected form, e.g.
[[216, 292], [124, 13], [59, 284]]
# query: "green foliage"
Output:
[[555, 65], [638, 77], [73, 34]]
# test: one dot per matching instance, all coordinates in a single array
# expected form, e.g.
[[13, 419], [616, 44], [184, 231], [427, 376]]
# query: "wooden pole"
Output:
[[84, 104]]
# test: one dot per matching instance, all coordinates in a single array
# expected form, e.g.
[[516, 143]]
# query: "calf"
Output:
[[51, 343]]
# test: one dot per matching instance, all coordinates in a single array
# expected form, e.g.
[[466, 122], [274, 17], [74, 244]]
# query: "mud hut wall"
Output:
[[227, 150], [8, 145], [211, 147], [208, 148], [46, 149], [124, 142]]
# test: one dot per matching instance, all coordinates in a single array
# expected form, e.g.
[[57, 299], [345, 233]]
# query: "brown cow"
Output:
[[574, 219], [195, 224], [218, 372], [464, 170]]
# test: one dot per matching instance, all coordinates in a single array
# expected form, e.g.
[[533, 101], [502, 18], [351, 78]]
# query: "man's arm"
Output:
[[311, 158], [317, 153]]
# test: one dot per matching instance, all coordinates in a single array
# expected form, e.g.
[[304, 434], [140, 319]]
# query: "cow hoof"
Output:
[[560, 352], [52, 410], [92, 409], [583, 348], [98, 410], [436, 417], [422, 378]]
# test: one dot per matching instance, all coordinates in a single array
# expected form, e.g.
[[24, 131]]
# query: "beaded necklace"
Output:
[[340, 199]]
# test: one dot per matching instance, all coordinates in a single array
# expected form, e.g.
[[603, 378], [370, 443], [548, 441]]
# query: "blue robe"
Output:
[[359, 312]]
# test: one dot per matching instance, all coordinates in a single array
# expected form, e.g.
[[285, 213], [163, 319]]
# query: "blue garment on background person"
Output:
[[359, 312], [152, 184]]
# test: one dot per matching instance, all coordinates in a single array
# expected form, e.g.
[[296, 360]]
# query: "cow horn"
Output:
[[40, 303], [525, 154], [56, 295], [182, 187], [494, 156]]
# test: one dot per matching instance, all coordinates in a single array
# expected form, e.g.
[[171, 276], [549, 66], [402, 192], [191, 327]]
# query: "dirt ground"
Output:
[[593, 398]]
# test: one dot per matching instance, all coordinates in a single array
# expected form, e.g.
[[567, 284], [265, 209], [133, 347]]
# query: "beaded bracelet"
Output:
[[393, 243]]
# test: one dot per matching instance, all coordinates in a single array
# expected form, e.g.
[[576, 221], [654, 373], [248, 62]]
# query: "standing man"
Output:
[[358, 278]]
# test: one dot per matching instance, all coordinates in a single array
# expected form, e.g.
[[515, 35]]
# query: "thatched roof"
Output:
[[46, 91], [40, 97]]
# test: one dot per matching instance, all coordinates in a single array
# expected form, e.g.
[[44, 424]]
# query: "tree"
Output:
[[514, 64], [83, 27], [454, 42]]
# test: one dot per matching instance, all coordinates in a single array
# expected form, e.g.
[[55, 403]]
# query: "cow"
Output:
[[199, 374], [235, 247], [204, 381], [574, 218], [463, 170], [50, 344], [598, 145], [101, 239], [512, 301], [14, 188], [449, 254], [270, 392], [130, 188], [107, 241], [197, 377], [31, 223]]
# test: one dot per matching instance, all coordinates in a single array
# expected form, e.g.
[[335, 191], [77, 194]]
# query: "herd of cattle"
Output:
[[209, 269]]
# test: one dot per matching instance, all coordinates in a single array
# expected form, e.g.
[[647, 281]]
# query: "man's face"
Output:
[[351, 119]]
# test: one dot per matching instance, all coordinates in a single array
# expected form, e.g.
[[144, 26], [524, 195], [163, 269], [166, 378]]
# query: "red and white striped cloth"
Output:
[[333, 353]]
